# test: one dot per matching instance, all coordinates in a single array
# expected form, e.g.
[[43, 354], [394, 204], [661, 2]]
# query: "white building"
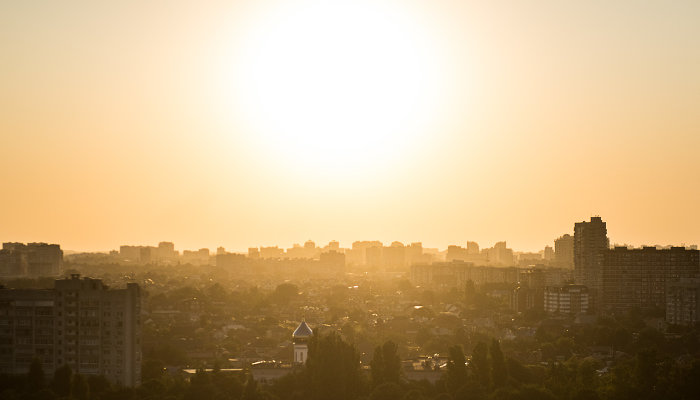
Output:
[[300, 338], [568, 299]]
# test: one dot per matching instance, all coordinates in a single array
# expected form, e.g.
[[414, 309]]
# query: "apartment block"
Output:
[[80, 323]]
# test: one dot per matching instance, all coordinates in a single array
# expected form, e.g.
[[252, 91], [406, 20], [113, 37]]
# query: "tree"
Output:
[[152, 369], [98, 385], [333, 368], [35, 376], [61, 382], [251, 390], [469, 292], [377, 367], [386, 364], [456, 369], [80, 388], [200, 387], [480, 364], [387, 391], [645, 370], [284, 293], [499, 371], [413, 394]]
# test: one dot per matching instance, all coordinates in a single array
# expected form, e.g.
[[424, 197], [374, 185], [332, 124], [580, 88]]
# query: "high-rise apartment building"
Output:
[[590, 241], [683, 302], [166, 252], [529, 294], [568, 299], [548, 254], [456, 253], [564, 251], [80, 323], [472, 248], [30, 260], [638, 278]]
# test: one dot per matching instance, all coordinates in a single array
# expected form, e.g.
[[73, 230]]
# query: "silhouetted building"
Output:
[[637, 278], [199, 257], [148, 254], [683, 302], [271, 252], [590, 241], [456, 253], [166, 252], [564, 251], [414, 254], [525, 259], [374, 256], [80, 323], [568, 299], [30, 260], [500, 254], [443, 274], [529, 294], [394, 257], [472, 248], [253, 253], [365, 253], [230, 260], [332, 261], [548, 253], [457, 273]]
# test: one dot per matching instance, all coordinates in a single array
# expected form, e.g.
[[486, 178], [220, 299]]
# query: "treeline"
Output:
[[333, 371]]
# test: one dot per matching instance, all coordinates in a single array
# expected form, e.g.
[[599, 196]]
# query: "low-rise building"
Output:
[[568, 299]]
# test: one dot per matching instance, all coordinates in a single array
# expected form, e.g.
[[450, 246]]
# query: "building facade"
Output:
[[637, 278], [80, 323], [564, 251], [683, 302], [568, 299], [590, 241], [30, 260], [300, 339]]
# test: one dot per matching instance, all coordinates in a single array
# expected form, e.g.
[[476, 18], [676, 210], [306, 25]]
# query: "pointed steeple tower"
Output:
[[300, 339]]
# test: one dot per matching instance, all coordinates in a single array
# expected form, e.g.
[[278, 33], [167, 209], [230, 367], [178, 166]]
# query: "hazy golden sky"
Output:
[[258, 122]]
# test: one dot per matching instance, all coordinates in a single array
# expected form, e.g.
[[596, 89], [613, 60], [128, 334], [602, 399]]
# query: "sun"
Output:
[[338, 87]]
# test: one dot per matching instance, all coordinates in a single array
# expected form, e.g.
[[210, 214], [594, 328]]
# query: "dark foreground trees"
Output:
[[333, 371]]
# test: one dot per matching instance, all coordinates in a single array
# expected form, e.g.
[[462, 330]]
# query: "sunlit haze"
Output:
[[248, 123]]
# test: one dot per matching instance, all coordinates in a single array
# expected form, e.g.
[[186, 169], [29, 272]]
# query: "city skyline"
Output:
[[242, 248], [486, 122], [349, 200]]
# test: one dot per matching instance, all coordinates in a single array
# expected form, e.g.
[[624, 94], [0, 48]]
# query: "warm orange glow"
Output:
[[336, 88], [259, 122]]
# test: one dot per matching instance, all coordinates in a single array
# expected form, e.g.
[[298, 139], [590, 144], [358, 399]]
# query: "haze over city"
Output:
[[260, 123], [350, 200]]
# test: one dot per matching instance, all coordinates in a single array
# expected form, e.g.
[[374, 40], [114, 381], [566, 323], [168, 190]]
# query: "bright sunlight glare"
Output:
[[337, 87]]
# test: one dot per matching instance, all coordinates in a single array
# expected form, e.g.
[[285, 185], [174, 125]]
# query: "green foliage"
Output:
[[80, 389], [387, 391], [35, 376], [499, 371], [61, 382], [386, 364], [333, 368], [251, 390], [480, 365], [456, 375], [284, 293]]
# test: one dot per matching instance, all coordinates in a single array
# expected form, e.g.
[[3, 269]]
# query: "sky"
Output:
[[249, 123]]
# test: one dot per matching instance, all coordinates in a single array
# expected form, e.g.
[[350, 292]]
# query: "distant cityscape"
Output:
[[95, 329]]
